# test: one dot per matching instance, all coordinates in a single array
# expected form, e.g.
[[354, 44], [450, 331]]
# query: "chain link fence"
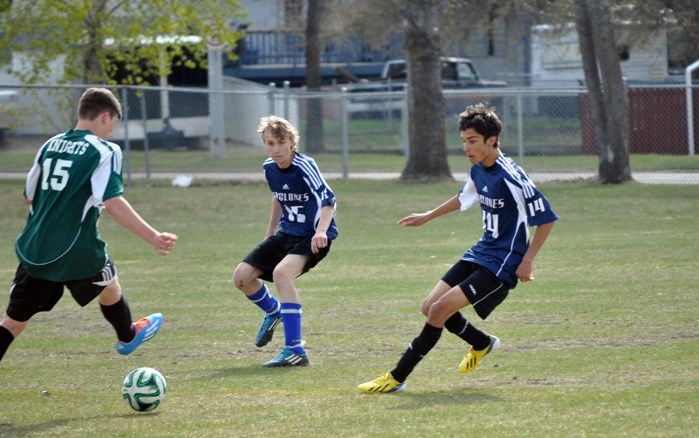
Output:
[[171, 128]]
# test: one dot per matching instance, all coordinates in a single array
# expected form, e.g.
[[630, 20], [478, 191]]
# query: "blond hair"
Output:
[[279, 128]]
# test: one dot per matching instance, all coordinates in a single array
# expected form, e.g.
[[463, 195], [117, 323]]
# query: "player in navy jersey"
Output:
[[300, 232], [74, 176], [484, 275]]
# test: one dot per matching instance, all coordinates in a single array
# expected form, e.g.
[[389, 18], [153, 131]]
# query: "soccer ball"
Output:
[[144, 389]]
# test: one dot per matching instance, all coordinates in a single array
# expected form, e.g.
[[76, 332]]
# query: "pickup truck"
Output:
[[457, 73]]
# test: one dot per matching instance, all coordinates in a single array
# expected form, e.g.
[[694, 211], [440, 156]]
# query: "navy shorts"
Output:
[[482, 289], [267, 255], [29, 295]]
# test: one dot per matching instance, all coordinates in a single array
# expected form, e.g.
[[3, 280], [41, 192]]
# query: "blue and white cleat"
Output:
[[145, 329], [264, 335], [287, 358]]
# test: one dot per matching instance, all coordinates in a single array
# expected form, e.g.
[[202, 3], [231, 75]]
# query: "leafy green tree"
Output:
[[88, 39]]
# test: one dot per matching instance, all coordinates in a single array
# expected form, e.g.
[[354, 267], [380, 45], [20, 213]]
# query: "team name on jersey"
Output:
[[70, 147], [491, 202], [291, 197]]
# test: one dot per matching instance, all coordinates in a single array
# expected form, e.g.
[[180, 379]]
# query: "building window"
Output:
[[293, 13]]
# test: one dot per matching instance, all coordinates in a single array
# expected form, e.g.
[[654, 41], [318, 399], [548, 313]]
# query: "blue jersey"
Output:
[[510, 203], [302, 192]]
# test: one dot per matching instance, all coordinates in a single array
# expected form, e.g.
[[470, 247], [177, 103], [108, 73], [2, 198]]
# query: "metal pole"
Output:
[[287, 92], [520, 132], [405, 119], [146, 145], [217, 125], [127, 142], [270, 97], [690, 105], [344, 132]]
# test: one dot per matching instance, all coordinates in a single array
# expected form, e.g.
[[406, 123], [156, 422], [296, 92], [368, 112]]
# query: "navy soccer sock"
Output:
[[417, 349], [119, 316], [460, 326], [6, 339]]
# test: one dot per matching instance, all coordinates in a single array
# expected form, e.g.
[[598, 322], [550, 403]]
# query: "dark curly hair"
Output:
[[482, 119]]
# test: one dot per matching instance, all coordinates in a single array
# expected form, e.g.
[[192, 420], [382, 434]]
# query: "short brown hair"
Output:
[[95, 101]]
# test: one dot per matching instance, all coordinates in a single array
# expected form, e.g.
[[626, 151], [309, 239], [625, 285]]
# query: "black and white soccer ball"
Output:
[[144, 389]]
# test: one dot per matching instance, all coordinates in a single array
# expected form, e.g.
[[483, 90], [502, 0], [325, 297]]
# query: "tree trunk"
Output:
[[93, 73], [605, 87], [314, 125], [427, 146]]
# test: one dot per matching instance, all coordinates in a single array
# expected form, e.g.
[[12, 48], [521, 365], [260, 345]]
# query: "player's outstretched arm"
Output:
[[122, 211], [417, 219]]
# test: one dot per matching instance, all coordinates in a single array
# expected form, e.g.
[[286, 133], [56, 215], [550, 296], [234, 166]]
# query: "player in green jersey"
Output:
[[74, 176]]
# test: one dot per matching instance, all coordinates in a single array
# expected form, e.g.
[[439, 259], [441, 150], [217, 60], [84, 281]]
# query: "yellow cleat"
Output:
[[473, 358], [385, 383]]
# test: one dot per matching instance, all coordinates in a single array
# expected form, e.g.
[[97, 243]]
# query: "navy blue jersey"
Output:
[[302, 192], [510, 203]]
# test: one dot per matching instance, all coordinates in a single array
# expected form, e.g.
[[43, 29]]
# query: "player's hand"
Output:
[[524, 271], [318, 241], [164, 243], [414, 220]]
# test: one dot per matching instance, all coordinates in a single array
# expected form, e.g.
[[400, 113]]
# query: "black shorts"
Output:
[[482, 289], [267, 255], [30, 295]]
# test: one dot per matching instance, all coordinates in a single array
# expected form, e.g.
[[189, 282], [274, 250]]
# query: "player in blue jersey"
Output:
[[300, 232], [74, 176], [484, 275]]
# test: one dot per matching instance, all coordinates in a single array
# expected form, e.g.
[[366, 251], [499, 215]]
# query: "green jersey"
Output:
[[73, 174]]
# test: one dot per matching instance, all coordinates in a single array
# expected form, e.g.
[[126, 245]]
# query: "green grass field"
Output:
[[605, 342]]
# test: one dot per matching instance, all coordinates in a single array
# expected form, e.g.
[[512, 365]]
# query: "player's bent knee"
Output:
[[438, 312], [242, 275], [246, 284], [284, 274], [281, 278], [425, 308]]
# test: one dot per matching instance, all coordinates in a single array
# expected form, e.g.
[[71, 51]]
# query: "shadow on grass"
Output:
[[12, 430], [250, 370], [412, 400]]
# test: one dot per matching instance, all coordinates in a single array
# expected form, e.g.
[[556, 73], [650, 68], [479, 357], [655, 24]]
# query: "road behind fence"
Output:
[[340, 123]]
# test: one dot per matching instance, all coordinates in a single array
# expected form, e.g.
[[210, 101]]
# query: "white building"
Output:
[[556, 60]]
